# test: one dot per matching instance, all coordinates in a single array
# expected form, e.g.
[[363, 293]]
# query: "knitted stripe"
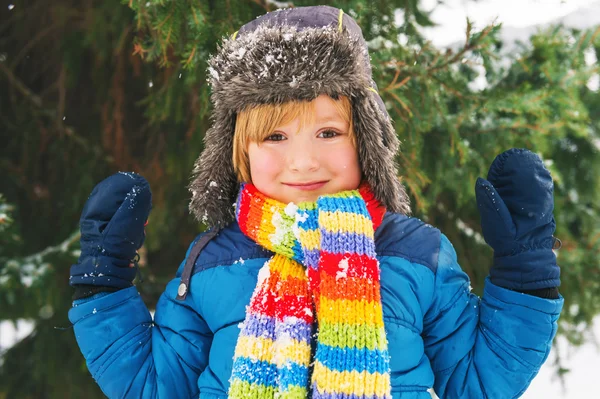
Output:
[[358, 266], [362, 359], [244, 389], [343, 222], [335, 395], [255, 372], [343, 242], [264, 373], [334, 240], [336, 334], [311, 258], [349, 311], [311, 239], [247, 347], [262, 326], [352, 285], [345, 382]]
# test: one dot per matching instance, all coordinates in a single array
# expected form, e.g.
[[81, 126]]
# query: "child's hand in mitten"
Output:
[[112, 230], [516, 204]]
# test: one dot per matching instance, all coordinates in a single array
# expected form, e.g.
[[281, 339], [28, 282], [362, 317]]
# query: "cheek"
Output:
[[264, 163], [347, 165]]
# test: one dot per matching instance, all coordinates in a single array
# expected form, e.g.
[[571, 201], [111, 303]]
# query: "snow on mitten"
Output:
[[516, 204], [112, 230]]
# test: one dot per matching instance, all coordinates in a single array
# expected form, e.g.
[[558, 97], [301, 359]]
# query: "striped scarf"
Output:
[[324, 267]]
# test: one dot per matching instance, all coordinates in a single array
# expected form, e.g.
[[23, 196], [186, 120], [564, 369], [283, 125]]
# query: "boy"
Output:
[[316, 283]]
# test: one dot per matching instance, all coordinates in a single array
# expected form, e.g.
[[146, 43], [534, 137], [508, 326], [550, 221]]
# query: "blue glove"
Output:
[[112, 230], [516, 204]]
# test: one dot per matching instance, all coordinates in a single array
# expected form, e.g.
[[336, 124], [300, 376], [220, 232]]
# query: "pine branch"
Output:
[[62, 247], [469, 46], [25, 50], [20, 86]]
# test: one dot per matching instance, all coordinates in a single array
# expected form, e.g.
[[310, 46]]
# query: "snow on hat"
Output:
[[293, 54]]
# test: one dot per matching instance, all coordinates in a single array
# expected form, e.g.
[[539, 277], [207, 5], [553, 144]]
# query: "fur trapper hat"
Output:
[[293, 54]]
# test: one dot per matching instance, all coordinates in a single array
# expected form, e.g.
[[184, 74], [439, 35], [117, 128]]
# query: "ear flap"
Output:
[[377, 146], [214, 184]]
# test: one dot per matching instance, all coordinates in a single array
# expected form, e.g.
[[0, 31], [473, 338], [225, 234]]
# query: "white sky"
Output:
[[518, 13]]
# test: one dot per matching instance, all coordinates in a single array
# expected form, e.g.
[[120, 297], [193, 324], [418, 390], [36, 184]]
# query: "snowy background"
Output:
[[520, 19]]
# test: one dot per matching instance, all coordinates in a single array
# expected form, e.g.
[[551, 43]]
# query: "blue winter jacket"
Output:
[[440, 334]]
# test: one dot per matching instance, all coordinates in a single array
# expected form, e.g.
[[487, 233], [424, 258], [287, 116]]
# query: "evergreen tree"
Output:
[[90, 88]]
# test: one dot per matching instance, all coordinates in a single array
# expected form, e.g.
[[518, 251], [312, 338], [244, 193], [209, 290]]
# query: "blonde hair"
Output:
[[255, 124]]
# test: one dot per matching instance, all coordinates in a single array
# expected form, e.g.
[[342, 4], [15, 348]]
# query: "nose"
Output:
[[303, 156]]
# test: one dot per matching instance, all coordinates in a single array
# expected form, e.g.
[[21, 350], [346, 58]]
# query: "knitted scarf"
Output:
[[324, 270]]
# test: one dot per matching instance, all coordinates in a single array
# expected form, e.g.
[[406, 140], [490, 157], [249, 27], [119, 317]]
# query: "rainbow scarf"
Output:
[[324, 267]]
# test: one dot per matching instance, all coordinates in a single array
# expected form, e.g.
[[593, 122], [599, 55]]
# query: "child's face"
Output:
[[319, 159]]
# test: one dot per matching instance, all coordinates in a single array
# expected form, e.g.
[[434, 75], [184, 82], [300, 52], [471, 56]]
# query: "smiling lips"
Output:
[[307, 186]]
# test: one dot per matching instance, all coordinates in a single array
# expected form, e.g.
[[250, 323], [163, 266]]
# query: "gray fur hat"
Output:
[[293, 54]]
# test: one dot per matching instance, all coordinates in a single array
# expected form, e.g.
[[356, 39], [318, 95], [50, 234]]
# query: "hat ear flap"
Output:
[[214, 182], [377, 147]]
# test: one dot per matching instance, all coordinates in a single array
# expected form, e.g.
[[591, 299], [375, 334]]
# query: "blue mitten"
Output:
[[112, 230], [516, 204]]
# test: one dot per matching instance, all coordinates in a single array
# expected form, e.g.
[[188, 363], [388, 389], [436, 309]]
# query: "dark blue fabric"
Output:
[[306, 18], [231, 246], [112, 230], [302, 18], [408, 238], [516, 204]]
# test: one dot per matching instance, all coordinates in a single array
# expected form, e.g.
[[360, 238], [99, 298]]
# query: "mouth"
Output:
[[309, 186]]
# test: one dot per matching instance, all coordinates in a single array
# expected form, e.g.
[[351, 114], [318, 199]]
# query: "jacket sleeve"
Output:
[[488, 348], [130, 356]]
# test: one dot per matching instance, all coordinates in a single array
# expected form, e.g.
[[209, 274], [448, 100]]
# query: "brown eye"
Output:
[[328, 134], [275, 137]]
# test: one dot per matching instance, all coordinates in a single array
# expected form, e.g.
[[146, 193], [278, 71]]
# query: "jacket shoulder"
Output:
[[398, 235], [409, 238], [227, 247]]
